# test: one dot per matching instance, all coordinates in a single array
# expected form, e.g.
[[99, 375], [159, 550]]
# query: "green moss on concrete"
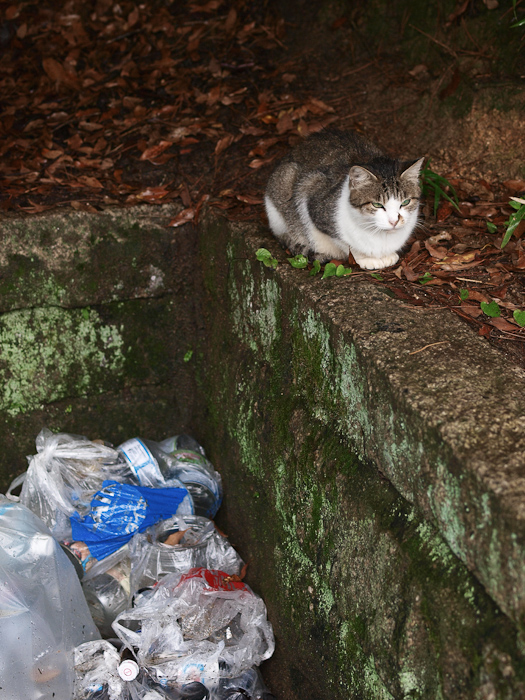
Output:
[[46, 354]]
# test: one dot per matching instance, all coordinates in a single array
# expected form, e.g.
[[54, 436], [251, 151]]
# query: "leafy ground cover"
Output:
[[119, 103]]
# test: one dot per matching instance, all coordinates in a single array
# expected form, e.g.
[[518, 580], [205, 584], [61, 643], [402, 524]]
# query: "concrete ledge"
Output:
[[444, 427]]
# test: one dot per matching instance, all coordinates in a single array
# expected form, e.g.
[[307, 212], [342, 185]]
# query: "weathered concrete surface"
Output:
[[377, 494], [97, 315], [313, 391]]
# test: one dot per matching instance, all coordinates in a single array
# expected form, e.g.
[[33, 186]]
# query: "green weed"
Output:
[[264, 256], [436, 185], [514, 219]]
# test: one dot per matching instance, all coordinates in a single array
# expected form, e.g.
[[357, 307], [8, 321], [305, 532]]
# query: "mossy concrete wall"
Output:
[[377, 494], [97, 315]]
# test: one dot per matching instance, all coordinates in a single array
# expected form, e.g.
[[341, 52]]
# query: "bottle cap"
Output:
[[128, 670]]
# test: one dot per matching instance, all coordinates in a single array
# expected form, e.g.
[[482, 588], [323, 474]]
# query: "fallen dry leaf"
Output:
[[503, 325]]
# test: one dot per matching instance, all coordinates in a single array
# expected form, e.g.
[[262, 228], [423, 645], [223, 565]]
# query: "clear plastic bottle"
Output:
[[154, 467]]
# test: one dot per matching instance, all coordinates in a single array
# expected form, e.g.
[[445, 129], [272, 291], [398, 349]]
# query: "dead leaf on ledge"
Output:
[[183, 217]]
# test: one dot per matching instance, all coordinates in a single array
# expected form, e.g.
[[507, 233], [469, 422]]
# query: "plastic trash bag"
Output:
[[119, 510], [107, 589], [96, 671], [97, 676], [153, 466], [64, 475], [43, 613], [179, 544], [198, 627]]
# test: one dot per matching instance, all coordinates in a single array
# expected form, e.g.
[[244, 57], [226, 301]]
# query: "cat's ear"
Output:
[[361, 176], [411, 171]]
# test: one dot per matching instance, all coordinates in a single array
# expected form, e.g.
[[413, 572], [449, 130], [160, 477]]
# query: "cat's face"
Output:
[[389, 201]]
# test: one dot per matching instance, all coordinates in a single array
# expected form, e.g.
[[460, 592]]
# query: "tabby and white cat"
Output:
[[336, 192]]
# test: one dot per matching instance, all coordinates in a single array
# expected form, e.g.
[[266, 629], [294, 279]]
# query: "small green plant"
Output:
[[514, 219], [329, 270], [426, 278], [264, 256], [519, 22], [463, 294], [299, 262], [491, 309], [188, 355], [333, 270], [316, 267], [341, 271], [435, 185], [376, 276], [491, 228], [519, 317]]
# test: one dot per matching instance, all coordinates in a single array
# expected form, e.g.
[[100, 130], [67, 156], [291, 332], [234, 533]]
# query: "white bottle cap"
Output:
[[128, 670]]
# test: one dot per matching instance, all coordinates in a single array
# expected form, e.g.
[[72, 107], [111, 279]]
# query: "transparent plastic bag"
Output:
[[43, 613], [64, 475], [200, 626], [154, 467], [107, 589], [96, 671], [179, 544], [97, 676]]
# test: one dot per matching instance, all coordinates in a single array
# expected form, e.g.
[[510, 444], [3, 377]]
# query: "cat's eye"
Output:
[[405, 203], [377, 205]]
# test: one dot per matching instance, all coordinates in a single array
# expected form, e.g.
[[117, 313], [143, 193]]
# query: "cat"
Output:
[[336, 193]]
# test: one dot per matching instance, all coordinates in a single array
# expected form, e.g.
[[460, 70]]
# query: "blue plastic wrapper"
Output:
[[119, 510]]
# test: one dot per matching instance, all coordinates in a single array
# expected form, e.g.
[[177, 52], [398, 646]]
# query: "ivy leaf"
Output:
[[492, 228], [329, 270], [264, 256], [463, 294], [491, 309], [426, 278], [299, 262], [316, 266], [376, 276], [519, 317], [513, 221], [341, 271]]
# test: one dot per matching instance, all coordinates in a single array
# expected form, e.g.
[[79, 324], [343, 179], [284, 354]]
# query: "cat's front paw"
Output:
[[376, 263]]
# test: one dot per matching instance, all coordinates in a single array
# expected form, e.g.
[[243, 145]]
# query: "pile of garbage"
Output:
[[116, 584]]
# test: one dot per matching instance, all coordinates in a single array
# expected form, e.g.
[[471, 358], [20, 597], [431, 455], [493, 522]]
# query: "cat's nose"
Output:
[[393, 221]]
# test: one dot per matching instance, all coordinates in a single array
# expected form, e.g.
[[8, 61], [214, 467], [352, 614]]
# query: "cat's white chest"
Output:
[[378, 237]]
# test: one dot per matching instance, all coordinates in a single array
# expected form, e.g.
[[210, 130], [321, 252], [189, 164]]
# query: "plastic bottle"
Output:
[[128, 668], [249, 685], [154, 467]]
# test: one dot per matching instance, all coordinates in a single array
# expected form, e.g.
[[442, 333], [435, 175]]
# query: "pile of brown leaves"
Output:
[[124, 103]]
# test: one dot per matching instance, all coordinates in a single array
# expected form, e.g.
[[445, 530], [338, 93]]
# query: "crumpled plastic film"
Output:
[[96, 667], [43, 613], [64, 475], [200, 626], [196, 543]]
